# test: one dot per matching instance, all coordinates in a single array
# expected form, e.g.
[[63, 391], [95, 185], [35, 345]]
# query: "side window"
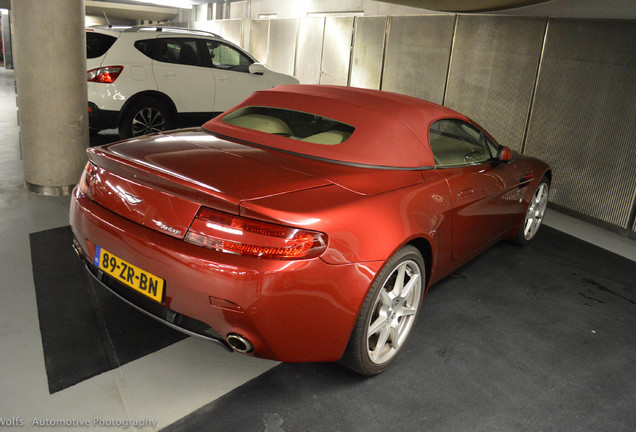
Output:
[[457, 143], [97, 44], [178, 50], [148, 47], [228, 58]]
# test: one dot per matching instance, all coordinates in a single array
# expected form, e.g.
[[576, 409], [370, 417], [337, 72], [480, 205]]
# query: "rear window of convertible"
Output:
[[296, 125]]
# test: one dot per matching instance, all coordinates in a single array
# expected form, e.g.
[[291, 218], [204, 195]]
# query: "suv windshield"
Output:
[[97, 44], [292, 124]]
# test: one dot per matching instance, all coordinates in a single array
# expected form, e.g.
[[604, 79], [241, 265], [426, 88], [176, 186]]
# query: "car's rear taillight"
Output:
[[242, 236], [106, 74], [87, 179]]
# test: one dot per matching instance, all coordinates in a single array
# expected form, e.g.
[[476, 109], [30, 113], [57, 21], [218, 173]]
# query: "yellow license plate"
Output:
[[140, 280]]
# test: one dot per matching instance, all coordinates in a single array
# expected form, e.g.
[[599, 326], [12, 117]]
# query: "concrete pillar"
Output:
[[49, 48]]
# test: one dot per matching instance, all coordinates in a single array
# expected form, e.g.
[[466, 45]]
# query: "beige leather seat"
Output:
[[261, 123], [328, 138]]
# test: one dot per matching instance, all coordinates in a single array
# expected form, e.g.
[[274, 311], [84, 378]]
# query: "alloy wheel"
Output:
[[148, 120], [536, 211], [394, 312]]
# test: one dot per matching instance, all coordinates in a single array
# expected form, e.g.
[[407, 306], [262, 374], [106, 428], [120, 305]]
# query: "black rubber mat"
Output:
[[85, 329], [536, 338]]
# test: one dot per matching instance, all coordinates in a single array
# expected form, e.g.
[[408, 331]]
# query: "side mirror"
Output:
[[504, 154], [257, 69]]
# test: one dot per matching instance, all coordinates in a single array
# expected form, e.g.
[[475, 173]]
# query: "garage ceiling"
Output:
[[130, 11], [618, 9]]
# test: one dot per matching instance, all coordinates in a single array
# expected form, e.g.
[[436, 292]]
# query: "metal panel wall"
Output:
[[336, 51], [583, 118], [281, 54], [232, 30], [259, 40], [417, 55], [209, 26], [309, 51], [493, 69], [368, 52]]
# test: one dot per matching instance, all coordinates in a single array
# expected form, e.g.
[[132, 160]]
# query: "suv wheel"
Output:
[[146, 116]]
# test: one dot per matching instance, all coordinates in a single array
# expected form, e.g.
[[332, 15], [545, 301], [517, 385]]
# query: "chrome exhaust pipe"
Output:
[[239, 343], [76, 248]]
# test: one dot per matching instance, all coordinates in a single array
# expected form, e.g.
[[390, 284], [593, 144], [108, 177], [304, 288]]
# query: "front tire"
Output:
[[388, 314], [534, 214], [146, 116]]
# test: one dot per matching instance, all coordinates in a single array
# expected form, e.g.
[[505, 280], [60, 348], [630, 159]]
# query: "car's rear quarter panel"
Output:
[[366, 228], [137, 75]]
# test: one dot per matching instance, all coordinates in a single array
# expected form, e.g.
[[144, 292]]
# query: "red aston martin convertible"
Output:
[[306, 223]]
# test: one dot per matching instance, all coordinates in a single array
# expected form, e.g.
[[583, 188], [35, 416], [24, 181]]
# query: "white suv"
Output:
[[147, 79]]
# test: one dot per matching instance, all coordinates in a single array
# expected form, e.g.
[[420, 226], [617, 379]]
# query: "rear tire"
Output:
[[145, 116], [388, 314]]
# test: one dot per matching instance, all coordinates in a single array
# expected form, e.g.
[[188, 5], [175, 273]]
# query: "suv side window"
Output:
[[148, 47], [172, 50], [182, 51], [97, 44], [225, 57], [457, 143]]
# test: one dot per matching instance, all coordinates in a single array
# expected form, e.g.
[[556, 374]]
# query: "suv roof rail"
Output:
[[108, 27], [161, 28]]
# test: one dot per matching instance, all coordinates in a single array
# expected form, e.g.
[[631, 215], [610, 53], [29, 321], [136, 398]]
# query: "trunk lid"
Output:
[[161, 181]]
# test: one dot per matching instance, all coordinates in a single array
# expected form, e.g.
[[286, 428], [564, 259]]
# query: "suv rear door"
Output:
[[180, 72]]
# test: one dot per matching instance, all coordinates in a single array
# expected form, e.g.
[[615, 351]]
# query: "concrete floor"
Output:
[[130, 392], [193, 372]]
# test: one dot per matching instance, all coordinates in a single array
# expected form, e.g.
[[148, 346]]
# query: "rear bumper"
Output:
[[289, 310], [177, 321]]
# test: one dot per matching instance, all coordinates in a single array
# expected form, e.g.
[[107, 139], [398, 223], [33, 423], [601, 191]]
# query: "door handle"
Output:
[[223, 79], [169, 75], [526, 178], [465, 192]]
